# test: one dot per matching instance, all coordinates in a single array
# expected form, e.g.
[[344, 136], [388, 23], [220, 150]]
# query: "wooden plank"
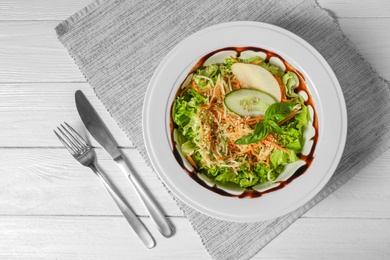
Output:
[[60, 10], [40, 9], [110, 238], [364, 196], [356, 8], [372, 44], [30, 112], [331, 239], [93, 238], [31, 52], [50, 182]]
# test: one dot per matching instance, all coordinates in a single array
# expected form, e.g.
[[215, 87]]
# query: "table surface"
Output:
[[53, 208]]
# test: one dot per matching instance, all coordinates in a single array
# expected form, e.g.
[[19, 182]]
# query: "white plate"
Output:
[[323, 86]]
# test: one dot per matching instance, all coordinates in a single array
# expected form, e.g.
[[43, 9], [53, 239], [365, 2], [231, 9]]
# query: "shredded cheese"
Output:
[[220, 128]]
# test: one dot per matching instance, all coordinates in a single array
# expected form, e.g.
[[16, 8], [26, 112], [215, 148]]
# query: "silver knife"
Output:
[[99, 131]]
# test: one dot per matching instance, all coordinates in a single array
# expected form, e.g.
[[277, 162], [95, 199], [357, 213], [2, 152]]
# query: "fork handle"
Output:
[[154, 212], [131, 218]]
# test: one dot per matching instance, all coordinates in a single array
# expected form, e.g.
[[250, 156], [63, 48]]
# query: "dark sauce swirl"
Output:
[[250, 193]]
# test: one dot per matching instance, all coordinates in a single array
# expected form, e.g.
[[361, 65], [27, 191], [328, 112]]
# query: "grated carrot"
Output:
[[276, 146], [281, 86], [257, 62], [218, 120], [234, 59], [192, 162], [291, 115], [253, 119], [250, 148], [194, 86], [222, 158], [236, 83], [185, 89]]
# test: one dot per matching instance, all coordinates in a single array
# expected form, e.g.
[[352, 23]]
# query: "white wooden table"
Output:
[[53, 208]]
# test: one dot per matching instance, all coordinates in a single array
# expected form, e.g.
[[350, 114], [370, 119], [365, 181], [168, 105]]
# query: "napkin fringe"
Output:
[[181, 207], [65, 26]]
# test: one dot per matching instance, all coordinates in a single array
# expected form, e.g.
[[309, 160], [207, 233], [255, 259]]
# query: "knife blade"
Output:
[[99, 131]]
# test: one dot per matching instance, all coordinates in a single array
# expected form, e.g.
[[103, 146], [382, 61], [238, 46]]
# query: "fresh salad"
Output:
[[240, 121]]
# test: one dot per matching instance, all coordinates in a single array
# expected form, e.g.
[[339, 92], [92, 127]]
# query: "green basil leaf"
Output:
[[279, 111], [272, 126], [260, 132], [274, 114]]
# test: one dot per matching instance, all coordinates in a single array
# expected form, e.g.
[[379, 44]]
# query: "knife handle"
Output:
[[131, 218], [155, 213]]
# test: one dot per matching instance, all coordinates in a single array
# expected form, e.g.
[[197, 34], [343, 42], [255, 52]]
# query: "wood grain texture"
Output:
[[93, 238], [366, 195], [29, 112], [30, 48], [53, 208], [357, 239], [50, 182], [28, 51], [60, 10], [40, 10], [110, 238], [356, 8], [372, 40]]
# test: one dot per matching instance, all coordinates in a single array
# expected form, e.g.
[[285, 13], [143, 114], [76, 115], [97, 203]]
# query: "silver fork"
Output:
[[86, 156]]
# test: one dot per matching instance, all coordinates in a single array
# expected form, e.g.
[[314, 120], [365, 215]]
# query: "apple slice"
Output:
[[255, 76]]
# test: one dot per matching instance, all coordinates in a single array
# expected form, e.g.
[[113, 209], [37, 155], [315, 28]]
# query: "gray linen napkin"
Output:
[[118, 45]]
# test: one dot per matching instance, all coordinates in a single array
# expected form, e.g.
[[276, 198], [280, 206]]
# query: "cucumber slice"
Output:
[[248, 102]]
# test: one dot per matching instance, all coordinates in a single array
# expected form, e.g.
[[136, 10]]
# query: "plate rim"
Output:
[[341, 103]]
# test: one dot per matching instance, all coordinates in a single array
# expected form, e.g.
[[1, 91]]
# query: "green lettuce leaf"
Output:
[[184, 114], [302, 117], [279, 159], [250, 60], [188, 147], [203, 75], [291, 134], [290, 81]]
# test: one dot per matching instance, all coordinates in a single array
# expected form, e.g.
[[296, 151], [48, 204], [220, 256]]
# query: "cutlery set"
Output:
[[86, 156]]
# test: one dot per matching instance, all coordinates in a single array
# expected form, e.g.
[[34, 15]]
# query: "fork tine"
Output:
[[76, 144], [69, 147], [69, 138], [77, 136]]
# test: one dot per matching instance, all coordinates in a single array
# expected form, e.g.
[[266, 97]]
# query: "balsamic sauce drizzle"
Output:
[[250, 193]]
